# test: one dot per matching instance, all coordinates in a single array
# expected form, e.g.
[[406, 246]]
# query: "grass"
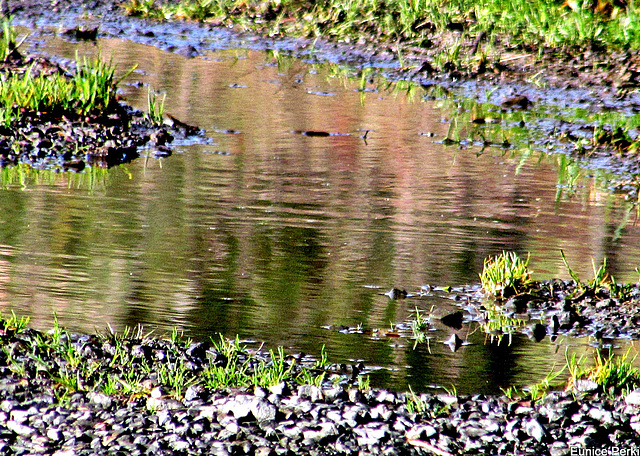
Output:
[[14, 324], [505, 275], [155, 112], [124, 372], [92, 90], [8, 40], [614, 375], [537, 391], [600, 276], [419, 404], [419, 327], [602, 280], [521, 25], [416, 403]]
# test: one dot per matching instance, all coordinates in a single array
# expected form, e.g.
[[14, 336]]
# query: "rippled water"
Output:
[[292, 239]]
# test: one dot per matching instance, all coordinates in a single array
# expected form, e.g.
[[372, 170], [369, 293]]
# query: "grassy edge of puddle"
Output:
[[138, 364], [476, 39], [49, 405], [132, 364], [468, 37]]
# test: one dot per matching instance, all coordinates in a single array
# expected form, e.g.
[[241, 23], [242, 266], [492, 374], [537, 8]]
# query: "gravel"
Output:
[[38, 415]]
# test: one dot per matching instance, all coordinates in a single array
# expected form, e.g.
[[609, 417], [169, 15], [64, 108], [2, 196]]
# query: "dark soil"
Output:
[[555, 307]]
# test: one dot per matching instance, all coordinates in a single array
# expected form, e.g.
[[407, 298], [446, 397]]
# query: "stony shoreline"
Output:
[[54, 400]]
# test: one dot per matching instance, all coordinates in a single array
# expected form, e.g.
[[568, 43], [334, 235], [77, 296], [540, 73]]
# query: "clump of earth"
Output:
[[63, 140]]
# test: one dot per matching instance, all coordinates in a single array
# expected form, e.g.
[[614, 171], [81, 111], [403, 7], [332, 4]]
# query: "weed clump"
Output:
[[92, 90], [613, 374], [505, 275]]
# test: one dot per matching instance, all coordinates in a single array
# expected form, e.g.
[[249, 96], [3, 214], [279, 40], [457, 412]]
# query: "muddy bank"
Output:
[[559, 308], [71, 394], [578, 77], [79, 128]]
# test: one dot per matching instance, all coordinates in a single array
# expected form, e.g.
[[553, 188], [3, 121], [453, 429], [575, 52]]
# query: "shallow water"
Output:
[[293, 239]]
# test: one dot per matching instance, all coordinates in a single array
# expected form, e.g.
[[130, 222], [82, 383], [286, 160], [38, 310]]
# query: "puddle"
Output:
[[293, 238]]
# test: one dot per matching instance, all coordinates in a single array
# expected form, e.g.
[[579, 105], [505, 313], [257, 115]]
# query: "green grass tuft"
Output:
[[505, 275]]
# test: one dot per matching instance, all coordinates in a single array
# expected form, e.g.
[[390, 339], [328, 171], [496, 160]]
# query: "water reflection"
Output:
[[289, 238]]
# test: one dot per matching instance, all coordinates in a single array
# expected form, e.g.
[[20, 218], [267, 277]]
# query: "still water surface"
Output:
[[288, 239]]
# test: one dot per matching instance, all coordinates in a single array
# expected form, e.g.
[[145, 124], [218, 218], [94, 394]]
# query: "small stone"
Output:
[[163, 417], [320, 433], [8, 405], [64, 453], [474, 432], [370, 436], [279, 389], [633, 398], [421, 432], [230, 425], [99, 399], [207, 411], [447, 399], [311, 392], [192, 393], [381, 412], [599, 414], [453, 320], [559, 449], [20, 429], [263, 411], [386, 396], [454, 342], [54, 434], [586, 386], [489, 425], [179, 445], [20, 416], [239, 406], [355, 395], [534, 429], [263, 451]]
